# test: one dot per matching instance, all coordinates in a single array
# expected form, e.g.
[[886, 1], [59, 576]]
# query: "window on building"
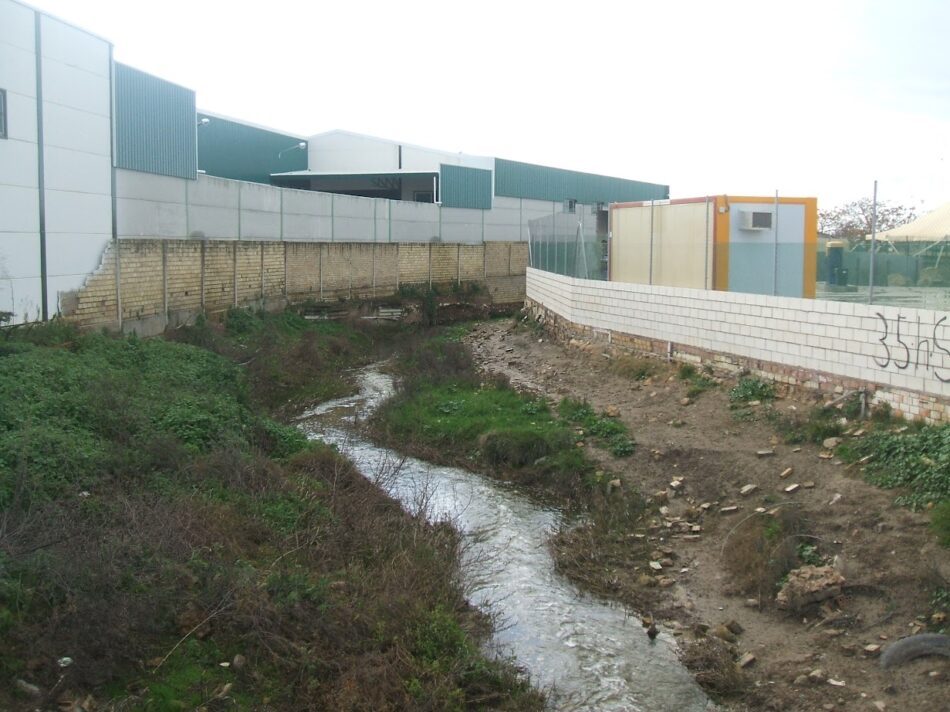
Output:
[[3, 113], [570, 205]]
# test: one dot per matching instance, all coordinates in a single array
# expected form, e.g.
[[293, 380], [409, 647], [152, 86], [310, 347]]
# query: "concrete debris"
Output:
[[656, 566], [817, 675], [808, 485], [871, 650], [835, 499], [746, 660], [809, 584], [792, 488], [786, 472], [830, 443], [748, 489], [836, 683], [729, 510], [765, 453]]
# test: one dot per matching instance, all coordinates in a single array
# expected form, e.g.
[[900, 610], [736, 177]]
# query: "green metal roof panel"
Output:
[[154, 124], [526, 180], [230, 149], [464, 187]]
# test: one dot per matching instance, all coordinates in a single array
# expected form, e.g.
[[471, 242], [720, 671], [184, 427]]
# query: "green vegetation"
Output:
[[156, 523], [751, 389], [635, 368], [699, 383], [940, 522], [446, 412], [916, 460], [606, 431]]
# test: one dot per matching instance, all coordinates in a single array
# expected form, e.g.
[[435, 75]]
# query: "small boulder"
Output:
[[809, 584]]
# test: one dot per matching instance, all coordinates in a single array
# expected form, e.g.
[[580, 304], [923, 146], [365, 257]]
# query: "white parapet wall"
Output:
[[901, 354]]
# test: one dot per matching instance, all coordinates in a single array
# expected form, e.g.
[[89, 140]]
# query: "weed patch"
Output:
[[751, 389], [609, 432]]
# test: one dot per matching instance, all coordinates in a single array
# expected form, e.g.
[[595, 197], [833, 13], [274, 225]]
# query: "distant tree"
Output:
[[852, 221]]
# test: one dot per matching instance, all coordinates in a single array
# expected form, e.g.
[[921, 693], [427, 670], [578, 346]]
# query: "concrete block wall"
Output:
[[158, 282], [899, 353]]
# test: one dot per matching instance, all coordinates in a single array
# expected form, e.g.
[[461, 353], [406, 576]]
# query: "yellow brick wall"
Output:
[[336, 270], [141, 278], [445, 266], [497, 259], [362, 264], [156, 273], [183, 268], [413, 264], [219, 275], [303, 270], [274, 282], [472, 258], [95, 303], [387, 268], [248, 273], [519, 258]]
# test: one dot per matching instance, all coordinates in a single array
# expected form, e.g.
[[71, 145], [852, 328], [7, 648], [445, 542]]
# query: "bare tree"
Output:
[[852, 221]]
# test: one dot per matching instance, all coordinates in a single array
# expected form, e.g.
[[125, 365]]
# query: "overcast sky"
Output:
[[807, 98]]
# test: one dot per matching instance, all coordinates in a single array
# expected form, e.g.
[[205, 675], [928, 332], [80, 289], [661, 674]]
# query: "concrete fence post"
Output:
[[234, 288], [397, 266], [430, 265], [118, 284], [320, 266], [202, 275], [262, 273], [165, 283], [458, 262]]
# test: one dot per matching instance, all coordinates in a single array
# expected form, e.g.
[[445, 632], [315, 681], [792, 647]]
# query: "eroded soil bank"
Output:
[[816, 658]]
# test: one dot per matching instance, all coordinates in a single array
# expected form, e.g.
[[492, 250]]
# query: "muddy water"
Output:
[[587, 654]]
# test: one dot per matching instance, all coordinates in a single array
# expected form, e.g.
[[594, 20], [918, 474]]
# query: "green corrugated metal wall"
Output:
[[154, 124], [526, 180], [464, 187], [229, 149]]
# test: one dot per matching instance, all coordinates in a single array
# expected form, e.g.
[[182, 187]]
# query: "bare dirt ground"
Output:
[[886, 553]]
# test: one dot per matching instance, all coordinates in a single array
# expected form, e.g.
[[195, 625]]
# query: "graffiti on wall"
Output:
[[905, 344]]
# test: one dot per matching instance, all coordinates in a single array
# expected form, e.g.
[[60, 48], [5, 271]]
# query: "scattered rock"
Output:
[[666, 581], [685, 401], [238, 662], [872, 650], [830, 443], [765, 453], [27, 688], [723, 633], [646, 581], [880, 705], [792, 488], [808, 485], [835, 499], [809, 584], [662, 497], [836, 683], [656, 566], [786, 472], [729, 510], [734, 626], [676, 483], [613, 484], [748, 489], [816, 676], [800, 680], [938, 618], [751, 603], [612, 411], [746, 660]]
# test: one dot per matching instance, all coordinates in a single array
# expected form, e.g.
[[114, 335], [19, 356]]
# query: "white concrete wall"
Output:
[[153, 206], [77, 158], [20, 283], [77, 114], [900, 348]]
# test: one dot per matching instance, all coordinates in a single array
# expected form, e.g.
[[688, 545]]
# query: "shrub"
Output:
[[940, 522], [751, 389]]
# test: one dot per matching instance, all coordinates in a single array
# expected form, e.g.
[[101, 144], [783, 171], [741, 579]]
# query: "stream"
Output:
[[587, 654]]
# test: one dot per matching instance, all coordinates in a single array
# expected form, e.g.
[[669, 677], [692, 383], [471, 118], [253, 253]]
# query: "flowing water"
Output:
[[590, 655]]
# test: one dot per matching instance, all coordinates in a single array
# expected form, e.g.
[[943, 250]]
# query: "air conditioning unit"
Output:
[[755, 220]]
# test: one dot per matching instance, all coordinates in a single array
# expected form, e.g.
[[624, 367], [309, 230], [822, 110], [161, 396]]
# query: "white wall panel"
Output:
[[16, 25], [18, 69], [70, 128], [18, 165], [78, 213], [74, 47], [77, 171], [19, 209]]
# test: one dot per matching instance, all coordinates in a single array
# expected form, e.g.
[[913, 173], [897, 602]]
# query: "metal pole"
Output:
[[652, 203], [775, 249], [873, 245]]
